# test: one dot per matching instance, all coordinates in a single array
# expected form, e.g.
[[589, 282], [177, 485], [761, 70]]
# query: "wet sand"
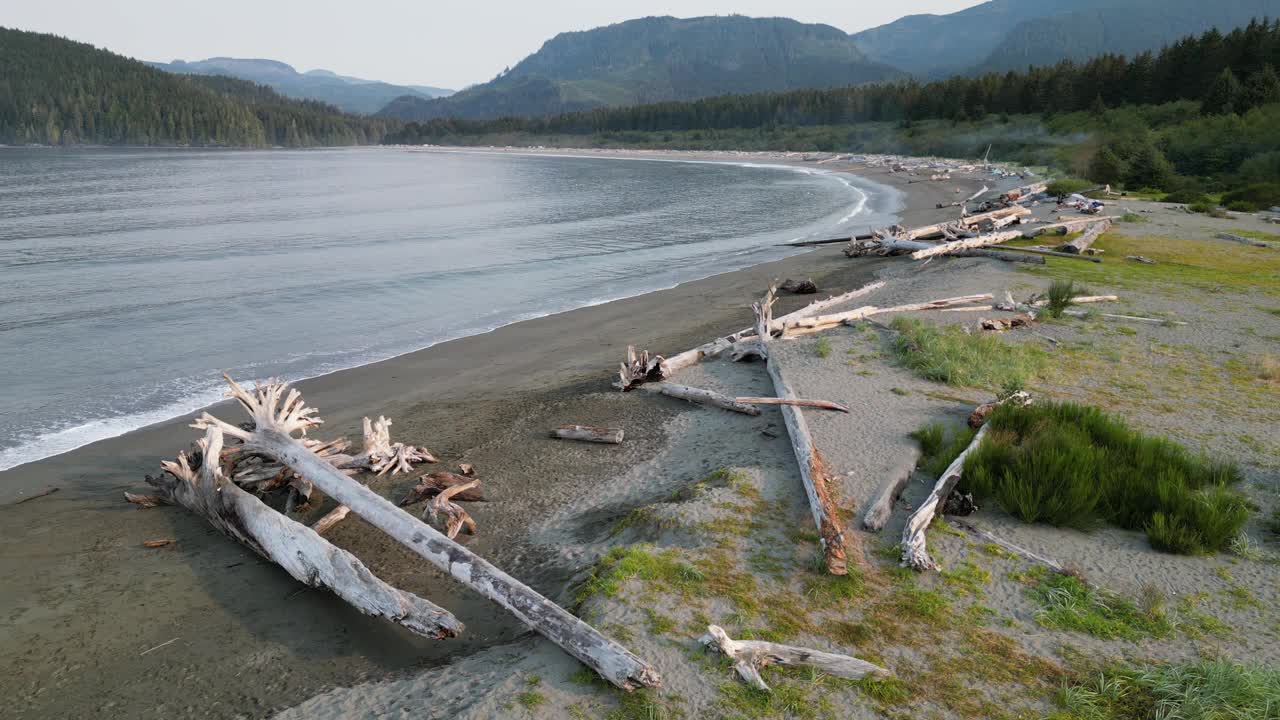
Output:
[[88, 610]]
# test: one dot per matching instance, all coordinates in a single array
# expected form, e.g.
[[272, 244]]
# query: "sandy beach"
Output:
[[99, 626]]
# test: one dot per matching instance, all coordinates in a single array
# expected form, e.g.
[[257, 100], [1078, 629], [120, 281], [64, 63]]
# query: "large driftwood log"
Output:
[[882, 507], [1010, 305], [813, 471], [823, 322], [893, 245], [1052, 253], [795, 402], [1065, 227], [1086, 240], [1240, 239], [702, 397], [278, 415], [915, 553], [302, 553], [966, 244], [586, 433], [750, 656]]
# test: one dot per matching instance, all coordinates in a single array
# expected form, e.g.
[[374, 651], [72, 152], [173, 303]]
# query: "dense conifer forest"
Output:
[[57, 92], [1203, 107]]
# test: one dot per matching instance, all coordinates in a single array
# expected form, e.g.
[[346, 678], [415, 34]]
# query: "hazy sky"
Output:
[[428, 42]]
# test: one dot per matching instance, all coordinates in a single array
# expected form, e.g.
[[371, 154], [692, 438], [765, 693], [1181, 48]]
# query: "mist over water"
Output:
[[130, 278]]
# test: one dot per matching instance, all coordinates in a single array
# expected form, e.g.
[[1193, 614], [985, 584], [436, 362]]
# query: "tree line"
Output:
[[55, 91]]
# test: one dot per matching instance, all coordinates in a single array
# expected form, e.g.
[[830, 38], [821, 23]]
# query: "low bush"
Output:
[[1067, 186], [1204, 208], [1186, 197], [939, 448], [1242, 206], [1258, 194], [1075, 466]]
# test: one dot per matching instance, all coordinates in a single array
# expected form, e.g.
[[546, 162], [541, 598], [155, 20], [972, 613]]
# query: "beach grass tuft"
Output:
[[938, 448], [1070, 465], [948, 355], [1205, 689], [1061, 295]]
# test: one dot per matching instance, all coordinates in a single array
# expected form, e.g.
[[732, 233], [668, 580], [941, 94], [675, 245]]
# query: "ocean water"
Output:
[[130, 278]]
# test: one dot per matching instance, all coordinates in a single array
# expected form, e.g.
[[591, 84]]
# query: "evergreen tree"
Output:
[[1262, 87], [1107, 167], [1148, 168], [1224, 96]]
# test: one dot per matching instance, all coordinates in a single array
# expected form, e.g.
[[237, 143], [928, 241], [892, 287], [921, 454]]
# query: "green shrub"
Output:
[[1202, 207], [1067, 186], [1061, 295], [1242, 206], [1259, 194], [1186, 197], [938, 449], [1074, 466]]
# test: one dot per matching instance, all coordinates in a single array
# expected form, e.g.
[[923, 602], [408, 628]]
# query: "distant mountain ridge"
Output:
[[656, 59], [1002, 35], [351, 94]]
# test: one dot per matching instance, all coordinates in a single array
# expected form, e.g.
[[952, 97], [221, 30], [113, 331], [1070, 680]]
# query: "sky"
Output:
[[422, 42]]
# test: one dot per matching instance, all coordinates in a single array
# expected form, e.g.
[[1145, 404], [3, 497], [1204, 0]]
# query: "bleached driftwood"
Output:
[[915, 554], [702, 397], [1010, 305], [966, 244], [888, 245], [1052, 253], [750, 656], [795, 402], [639, 368], [813, 471], [823, 322], [309, 558], [675, 363], [586, 433], [278, 414], [1011, 547], [1065, 227], [382, 456], [882, 507], [1086, 240]]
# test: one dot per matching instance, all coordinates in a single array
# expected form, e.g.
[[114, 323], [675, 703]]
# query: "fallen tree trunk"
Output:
[[823, 322], [966, 244], [1240, 239], [300, 551], [749, 656], [703, 397], [675, 363], [820, 404], [1065, 227], [894, 245], [1052, 253], [915, 554], [813, 471], [274, 423], [882, 507], [1079, 245], [584, 433]]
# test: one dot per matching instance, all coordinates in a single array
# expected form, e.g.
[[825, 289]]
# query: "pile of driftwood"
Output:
[[236, 468]]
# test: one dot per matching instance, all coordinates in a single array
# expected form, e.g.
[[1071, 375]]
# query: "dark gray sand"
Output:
[[96, 625]]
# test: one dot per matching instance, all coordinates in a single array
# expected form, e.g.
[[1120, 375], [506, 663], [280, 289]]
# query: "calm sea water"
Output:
[[129, 278]]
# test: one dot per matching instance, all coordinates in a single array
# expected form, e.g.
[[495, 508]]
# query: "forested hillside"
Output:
[[58, 92], [1207, 106], [349, 94], [659, 58]]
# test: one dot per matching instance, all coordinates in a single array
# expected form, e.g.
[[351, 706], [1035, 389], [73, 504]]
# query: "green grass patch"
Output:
[[1133, 218], [968, 579], [643, 562], [1067, 603], [947, 355], [1075, 466], [938, 448], [1199, 690], [1257, 235], [822, 348], [1179, 264], [1062, 295]]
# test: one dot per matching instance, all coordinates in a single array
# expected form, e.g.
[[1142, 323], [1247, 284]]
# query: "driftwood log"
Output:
[[750, 656], [795, 402], [882, 507], [309, 558], [973, 243], [893, 245], [915, 553], [823, 322], [1065, 227], [586, 433], [1240, 239], [688, 358], [799, 287], [813, 471], [278, 413], [703, 397], [432, 485], [1086, 240]]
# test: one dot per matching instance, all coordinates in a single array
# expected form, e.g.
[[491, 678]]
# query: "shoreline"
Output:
[[83, 590], [881, 202]]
